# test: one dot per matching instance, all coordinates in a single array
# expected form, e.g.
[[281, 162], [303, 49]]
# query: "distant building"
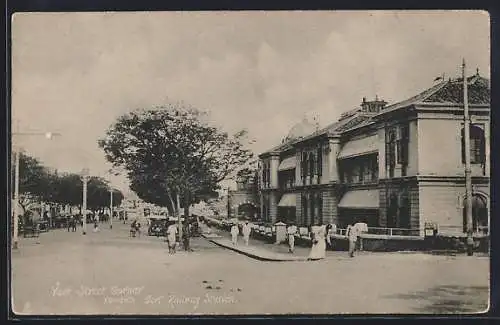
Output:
[[391, 166], [243, 202]]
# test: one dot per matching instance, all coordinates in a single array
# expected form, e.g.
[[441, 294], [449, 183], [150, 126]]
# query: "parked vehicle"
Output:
[[157, 227]]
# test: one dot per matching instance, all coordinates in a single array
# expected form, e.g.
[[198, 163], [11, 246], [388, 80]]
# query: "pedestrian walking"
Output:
[[318, 248], [291, 230], [331, 230], [96, 226], [246, 233], [234, 234], [171, 238], [352, 236]]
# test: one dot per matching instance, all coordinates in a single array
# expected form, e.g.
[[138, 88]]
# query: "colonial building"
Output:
[[243, 202], [392, 166]]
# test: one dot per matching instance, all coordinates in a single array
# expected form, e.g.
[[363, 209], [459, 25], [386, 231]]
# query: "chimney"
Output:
[[373, 106]]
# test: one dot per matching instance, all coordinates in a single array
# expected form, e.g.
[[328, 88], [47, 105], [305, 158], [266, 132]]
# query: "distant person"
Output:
[[234, 234], [246, 233], [172, 238], [291, 230], [73, 223], [352, 236], [185, 236], [68, 222], [133, 228], [96, 226]]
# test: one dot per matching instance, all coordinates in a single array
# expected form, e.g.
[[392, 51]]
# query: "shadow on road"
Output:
[[448, 299]]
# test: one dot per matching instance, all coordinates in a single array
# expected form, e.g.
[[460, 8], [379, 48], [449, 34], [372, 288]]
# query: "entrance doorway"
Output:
[[479, 214]]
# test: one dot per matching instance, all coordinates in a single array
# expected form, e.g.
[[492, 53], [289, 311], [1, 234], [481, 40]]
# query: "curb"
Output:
[[255, 256]]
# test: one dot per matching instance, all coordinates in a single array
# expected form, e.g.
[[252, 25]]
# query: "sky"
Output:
[[75, 73]]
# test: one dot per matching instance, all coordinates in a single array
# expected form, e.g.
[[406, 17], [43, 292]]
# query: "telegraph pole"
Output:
[[85, 179], [468, 179], [111, 208]]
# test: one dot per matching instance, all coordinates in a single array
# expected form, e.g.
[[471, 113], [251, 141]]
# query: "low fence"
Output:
[[377, 238], [458, 231]]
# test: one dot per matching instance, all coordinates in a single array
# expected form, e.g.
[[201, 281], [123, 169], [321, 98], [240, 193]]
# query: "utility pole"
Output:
[[468, 179], [85, 178], [111, 208]]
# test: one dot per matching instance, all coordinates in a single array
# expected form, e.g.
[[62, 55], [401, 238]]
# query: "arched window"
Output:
[[479, 214], [477, 145]]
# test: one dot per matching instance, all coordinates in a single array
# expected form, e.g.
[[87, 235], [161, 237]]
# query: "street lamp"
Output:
[[468, 179], [85, 179], [17, 153]]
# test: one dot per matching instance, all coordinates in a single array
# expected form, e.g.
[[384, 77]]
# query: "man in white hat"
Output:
[[291, 230], [234, 234]]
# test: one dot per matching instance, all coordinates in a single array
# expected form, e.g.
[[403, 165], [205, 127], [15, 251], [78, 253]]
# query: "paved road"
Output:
[[111, 273]]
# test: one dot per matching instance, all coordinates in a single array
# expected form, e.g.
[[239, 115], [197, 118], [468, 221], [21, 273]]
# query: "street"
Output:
[[65, 273]]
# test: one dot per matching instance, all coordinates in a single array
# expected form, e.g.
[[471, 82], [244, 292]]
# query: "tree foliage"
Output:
[[173, 150], [38, 184]]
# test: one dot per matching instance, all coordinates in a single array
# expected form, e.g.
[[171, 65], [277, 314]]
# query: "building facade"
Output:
[[393, 166], [243, 201]]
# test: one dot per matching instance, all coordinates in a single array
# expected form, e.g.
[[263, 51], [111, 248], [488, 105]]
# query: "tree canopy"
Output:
[[173, 150], [38, 183]]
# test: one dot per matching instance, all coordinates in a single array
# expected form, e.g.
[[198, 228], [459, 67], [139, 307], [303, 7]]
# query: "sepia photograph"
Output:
[[250, 163]]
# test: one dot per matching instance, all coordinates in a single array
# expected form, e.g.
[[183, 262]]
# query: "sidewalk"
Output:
[[253, 251], [222, 238]]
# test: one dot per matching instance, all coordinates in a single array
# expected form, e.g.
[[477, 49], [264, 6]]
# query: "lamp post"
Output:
[[468, 179], [17, 153], [85, 179]]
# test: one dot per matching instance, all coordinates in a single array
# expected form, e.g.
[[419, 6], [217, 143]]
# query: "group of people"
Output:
[[246, 230], [321, 236], [172, 232]]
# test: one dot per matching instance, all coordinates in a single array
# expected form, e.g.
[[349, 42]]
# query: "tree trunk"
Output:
[[186, 215], [172, 204], [179, 222]]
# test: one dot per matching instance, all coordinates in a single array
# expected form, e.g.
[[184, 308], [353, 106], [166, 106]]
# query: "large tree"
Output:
[[34, 181], [173, 152]]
